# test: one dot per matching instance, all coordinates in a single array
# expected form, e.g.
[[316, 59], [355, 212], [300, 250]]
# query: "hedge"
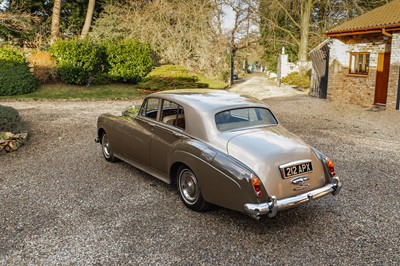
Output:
[[15, 77], [129, 60], [79, 61]]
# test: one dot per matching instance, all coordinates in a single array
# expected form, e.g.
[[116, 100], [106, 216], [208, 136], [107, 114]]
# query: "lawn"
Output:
[[161, 78], [67, 91]]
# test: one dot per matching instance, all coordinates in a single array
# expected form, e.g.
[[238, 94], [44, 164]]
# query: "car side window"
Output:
[[150, 108], [173, 114]]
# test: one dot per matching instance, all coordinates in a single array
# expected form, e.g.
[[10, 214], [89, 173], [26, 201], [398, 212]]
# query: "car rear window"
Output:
[[243, 118]]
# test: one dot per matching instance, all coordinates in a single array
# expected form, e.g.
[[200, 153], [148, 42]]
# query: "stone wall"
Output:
[[349, 88], [393, 87]]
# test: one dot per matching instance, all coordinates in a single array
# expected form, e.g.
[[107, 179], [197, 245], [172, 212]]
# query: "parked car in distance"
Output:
[[218, 148]]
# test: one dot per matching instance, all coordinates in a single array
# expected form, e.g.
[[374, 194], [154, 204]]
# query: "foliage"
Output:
[[272, 53], [44, 66], [169, 77], [129, 60], [71, 18], [80, 61], [8, 54], [297, 79], [15, 77], [17, 25], [60, 90], [282, 23], [176, 35], [10, 120]]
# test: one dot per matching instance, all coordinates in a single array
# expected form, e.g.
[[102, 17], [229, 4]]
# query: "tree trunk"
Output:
[[88, 20], [55, 21], [306, 7]]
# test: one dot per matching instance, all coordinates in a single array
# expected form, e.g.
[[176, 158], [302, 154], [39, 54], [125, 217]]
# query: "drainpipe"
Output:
[[398, 94]]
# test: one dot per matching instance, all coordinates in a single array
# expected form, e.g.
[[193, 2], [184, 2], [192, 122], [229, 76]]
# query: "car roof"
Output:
[[208, 100], [201, 105]]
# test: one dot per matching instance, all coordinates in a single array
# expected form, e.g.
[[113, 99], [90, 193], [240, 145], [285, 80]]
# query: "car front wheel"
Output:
[[106, 148], [189, 190]]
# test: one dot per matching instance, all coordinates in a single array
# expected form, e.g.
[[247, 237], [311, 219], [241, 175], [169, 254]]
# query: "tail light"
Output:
[[256, 185], [331, 166]]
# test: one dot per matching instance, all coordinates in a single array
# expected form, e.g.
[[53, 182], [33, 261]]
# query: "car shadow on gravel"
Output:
[[296, 217]]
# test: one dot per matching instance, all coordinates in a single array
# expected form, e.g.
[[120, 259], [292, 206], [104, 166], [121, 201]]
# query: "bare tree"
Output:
[[88, 19], [181, 32], [296, 23], [55, 21], [292, 17]]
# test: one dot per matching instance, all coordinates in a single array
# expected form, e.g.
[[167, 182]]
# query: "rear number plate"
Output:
[[296, 168]]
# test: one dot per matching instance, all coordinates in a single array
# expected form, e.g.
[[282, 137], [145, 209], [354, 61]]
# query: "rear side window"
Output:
[[173, 114], [244, 118]]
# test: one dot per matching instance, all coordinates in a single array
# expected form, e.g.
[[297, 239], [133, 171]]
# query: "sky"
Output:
[[228, 19]]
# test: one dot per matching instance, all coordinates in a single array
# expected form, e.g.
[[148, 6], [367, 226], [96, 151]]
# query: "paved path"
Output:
[[261, 87]]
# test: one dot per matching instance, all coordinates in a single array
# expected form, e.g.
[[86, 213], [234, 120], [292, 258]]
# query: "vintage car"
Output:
[[218, 148]]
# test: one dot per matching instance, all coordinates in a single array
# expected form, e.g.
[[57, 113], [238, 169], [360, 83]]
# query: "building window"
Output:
[[359, 63]]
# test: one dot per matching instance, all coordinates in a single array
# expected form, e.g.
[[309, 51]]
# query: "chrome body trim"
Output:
[[271, 207]]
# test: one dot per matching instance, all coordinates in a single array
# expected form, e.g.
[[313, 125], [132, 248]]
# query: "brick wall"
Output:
[[355, 89]]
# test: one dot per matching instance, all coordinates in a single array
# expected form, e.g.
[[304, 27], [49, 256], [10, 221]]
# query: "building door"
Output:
[[382, 78], [320, 65]]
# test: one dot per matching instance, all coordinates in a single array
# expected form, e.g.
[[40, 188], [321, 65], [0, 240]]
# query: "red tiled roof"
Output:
[[383, 17]]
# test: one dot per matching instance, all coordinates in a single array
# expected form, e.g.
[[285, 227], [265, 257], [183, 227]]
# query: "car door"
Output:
[[139, 131], [115, 128], [167, 132]]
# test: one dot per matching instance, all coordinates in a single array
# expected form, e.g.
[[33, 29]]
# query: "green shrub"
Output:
[[11, 55], [169, 77], [297, 79], [15, 77], [129, 60], [80, 61], [10, 120]]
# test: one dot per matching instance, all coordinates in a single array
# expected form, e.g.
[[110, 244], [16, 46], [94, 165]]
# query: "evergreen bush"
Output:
[[297, 79], [79, 61], [10, 120], [168, 77], [129, 60], [15, 77]]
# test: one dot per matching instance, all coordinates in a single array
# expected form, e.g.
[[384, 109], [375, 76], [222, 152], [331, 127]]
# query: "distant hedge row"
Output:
[[15, 77], [85, 62], [78, 62]]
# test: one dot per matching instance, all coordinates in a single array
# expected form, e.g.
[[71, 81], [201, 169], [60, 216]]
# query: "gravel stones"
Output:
[[61, 203]]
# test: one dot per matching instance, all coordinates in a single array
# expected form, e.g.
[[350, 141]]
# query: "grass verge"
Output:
[[58, 91], [161, 78]]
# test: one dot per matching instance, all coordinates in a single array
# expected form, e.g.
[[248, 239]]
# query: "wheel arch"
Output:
[[174, 170], [100, 133]]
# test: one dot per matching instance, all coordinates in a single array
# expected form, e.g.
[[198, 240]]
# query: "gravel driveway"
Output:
[[61, 203]]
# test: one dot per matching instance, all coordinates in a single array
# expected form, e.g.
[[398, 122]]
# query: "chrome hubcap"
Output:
[[188, 186], [106, 146]]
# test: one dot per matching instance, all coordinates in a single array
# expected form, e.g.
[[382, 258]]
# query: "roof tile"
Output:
[[381, 17]]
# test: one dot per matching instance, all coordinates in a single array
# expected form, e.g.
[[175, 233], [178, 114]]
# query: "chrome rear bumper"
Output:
[[272, 207]]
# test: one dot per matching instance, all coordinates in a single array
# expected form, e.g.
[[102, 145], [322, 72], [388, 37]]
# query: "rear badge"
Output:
[[301, 182]]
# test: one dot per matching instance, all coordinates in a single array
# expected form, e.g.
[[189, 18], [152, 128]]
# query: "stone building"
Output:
[[364, 59]]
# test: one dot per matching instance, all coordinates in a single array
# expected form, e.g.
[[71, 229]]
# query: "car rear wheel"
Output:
[[189, 190], [106, 148]]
